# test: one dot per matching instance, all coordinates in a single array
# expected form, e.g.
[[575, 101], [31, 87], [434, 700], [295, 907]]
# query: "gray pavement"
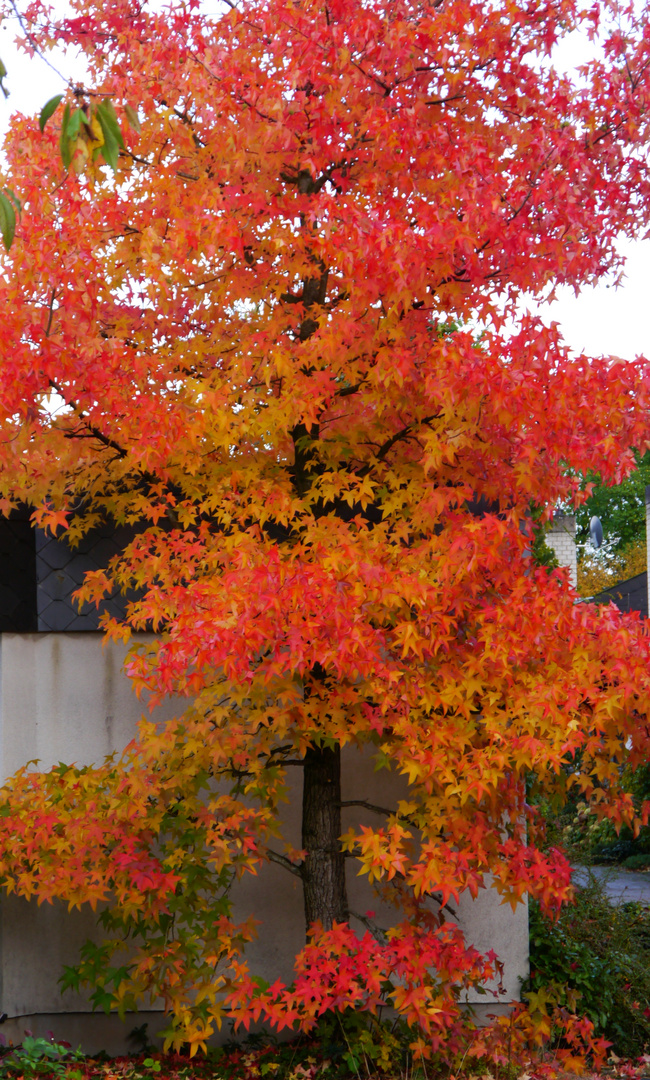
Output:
[[621, 886]]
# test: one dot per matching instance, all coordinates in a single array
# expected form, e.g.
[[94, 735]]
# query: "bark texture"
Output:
[[323, 870]]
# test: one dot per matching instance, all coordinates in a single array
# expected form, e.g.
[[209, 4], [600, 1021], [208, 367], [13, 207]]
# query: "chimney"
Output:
[[561, 537]]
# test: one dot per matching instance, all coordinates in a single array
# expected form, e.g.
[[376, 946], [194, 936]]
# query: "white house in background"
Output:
[[633, 594], [64, 697]]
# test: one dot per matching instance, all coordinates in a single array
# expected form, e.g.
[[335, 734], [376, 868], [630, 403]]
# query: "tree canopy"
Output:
[[238, 317]]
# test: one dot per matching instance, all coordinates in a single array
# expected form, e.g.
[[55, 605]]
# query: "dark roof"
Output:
[[630, 595]]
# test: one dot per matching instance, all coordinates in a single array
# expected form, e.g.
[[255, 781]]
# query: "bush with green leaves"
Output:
[[40, 1057], [602, 952], [343, 1044], [588, 839]]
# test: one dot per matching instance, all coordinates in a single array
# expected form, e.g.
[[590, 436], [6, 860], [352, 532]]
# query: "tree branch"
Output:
[[403, 433], [369, 806], [376, 931], [281, 860], [93, 431]]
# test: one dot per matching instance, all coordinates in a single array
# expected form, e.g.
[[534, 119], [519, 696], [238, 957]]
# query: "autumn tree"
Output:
[[241, 315]]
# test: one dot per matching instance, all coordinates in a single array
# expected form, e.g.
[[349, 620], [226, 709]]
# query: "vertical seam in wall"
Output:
[[2, 729], [2, 777], [647, 544]]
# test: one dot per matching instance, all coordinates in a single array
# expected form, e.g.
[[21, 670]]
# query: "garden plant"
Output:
[[601, 952]]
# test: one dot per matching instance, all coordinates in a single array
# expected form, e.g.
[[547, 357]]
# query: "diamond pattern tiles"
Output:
[[60, 571], [39, 574]]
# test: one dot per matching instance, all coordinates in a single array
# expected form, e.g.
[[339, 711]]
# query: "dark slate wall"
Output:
[[60, 571], [38, 575]]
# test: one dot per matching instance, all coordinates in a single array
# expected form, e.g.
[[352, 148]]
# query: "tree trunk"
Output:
[[323, 870]]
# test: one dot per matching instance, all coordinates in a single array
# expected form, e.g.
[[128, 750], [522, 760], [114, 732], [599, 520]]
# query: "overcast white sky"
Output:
[[601, 320]]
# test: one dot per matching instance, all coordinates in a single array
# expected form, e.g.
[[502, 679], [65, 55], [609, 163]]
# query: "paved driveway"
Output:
[[621, 886]]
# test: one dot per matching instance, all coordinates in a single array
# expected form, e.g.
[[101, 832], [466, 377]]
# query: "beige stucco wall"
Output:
[[64, 697], [275, 897]]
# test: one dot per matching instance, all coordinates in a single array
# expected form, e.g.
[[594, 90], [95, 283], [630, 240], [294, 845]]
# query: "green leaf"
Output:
[[7, 221], [48, 110], [71, 979], [108, 119], [112, 134], [14, 198], [101, 999], [132, 117], [65, 143], [110, 150], [74, 123]]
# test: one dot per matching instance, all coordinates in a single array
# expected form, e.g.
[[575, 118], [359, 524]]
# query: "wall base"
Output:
[[93, 1032], [96, 1032]]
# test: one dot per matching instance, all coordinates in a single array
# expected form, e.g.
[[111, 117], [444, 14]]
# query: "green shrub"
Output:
[[40, 1057], [345, 1045], [640, 861], [602, 952], [573, 824]]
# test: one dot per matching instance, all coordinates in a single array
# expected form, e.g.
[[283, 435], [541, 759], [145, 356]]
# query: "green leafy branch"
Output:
[[87, 132]]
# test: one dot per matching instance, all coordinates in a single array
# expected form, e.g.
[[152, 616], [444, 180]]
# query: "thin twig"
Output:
[[32, 41]]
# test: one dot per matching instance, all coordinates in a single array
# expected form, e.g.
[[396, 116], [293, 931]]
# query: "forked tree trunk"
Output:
[[323, 870]]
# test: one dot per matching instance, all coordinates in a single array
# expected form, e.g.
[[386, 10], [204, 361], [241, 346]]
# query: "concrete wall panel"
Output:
[[274, 895], [64, 697], [37, 942]]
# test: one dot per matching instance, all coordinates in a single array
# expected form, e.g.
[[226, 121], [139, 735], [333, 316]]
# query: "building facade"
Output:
[[64, 697]]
